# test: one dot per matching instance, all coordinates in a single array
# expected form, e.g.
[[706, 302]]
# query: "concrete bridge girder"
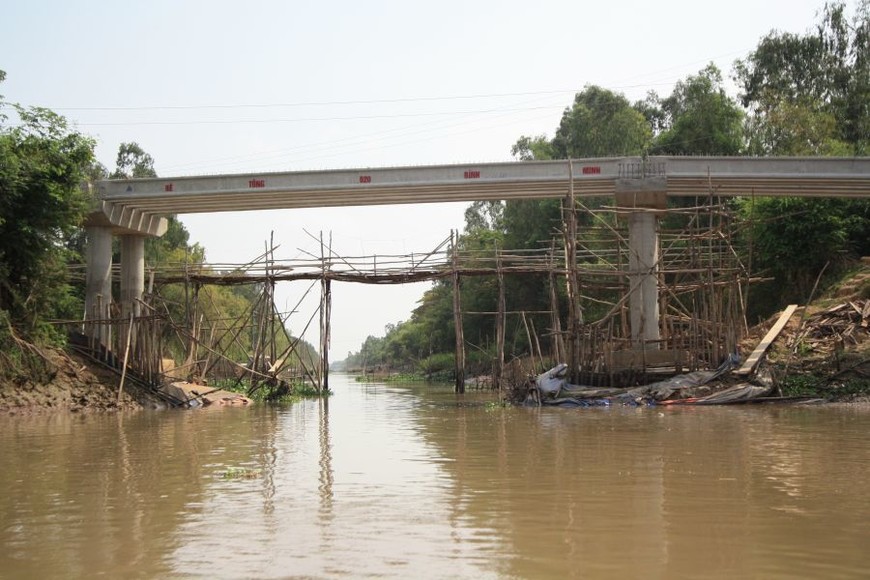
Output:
[[132, 226], [132, 208]]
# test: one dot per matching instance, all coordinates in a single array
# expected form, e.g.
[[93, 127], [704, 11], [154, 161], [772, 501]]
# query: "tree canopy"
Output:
[[815, 85], [42, 203], [808, 94], [697, 119]]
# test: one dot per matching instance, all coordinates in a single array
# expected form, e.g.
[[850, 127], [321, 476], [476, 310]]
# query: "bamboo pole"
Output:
[[459, 363], [558, 345], [499, 326], [325, 313], [126, 359], [571, 287]]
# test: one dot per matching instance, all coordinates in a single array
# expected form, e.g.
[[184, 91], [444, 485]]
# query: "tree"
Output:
[[809, 95], [485, 215], [796, 128], [533, 148], [132, 162], [600, 123], [697, 119], [42, 203], [826, 71]]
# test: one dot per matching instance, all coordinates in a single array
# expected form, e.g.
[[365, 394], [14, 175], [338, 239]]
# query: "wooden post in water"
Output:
[[499, 327], [325, 312], [457, 318]]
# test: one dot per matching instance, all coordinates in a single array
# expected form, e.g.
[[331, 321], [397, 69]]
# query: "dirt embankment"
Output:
[[824, 350], [68, 383]]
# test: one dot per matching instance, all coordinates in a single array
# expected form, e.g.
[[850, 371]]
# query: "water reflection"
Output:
[[122, 482], [414, 482], [671, 493]]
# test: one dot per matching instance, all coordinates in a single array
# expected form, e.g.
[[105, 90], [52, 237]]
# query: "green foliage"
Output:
[[796, 128], [855, 386], [697, 119], [133, 162], [818, 385], [808, 95], [533, 148], [283, 393], [819, 83], [600, 123], [173, 246], [442, 363], [42, 205], [485, 216], [800, 385], [793, 239]]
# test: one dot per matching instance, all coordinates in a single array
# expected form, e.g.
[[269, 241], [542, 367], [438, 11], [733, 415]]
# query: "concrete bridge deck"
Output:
[[135, 208], [126, 202]]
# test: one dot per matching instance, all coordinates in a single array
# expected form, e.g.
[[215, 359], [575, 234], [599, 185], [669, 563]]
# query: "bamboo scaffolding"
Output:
[[702, 286]]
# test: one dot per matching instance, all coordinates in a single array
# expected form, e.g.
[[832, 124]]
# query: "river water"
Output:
[[415, 482]]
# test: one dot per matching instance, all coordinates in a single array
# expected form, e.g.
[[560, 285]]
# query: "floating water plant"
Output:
[[240, 473]]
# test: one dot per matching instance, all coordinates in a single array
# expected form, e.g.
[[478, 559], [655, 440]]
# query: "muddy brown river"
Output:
[[415, 482]]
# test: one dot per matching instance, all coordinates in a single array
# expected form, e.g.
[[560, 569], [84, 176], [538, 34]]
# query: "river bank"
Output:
[[66, 382]]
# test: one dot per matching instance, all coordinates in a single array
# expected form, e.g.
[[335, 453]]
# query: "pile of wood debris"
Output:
[[844, 324]]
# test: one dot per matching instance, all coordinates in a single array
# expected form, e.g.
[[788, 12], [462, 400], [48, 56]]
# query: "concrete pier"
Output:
[[132, 274], [98, 281], [102, 225], [643, 266], [645, 199]]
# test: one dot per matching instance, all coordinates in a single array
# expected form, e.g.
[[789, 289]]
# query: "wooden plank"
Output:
[[760, 350]]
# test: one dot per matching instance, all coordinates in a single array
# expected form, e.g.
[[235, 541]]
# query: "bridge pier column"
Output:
[[98, 283], [132, 274], [643, 265], [644, 198]]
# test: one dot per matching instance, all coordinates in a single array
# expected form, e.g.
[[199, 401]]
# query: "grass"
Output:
[[812, 385], [802, 386]]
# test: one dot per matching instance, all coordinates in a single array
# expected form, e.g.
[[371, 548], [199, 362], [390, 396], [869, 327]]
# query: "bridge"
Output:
[[134, 209]]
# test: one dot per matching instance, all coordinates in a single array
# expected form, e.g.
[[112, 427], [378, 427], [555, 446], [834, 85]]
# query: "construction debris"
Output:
[[195, 395], [846, 323]]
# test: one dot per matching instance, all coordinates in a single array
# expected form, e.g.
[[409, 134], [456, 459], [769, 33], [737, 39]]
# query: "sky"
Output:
[[216, 87]]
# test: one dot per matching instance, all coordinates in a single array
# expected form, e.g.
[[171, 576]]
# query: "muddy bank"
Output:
[[68, 383]]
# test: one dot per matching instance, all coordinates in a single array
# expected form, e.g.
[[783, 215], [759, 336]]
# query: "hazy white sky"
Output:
[[223, 86]]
